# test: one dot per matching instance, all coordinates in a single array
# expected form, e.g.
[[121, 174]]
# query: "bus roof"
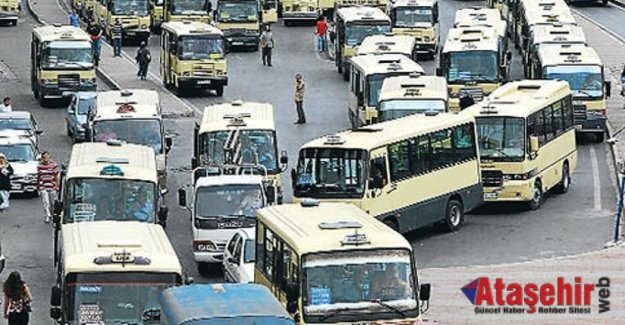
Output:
[[414, 87], [379, 134], [385, 64], [414, 3], [520, 98], [474, 38], [136, 162], [129, 103], [551, 16], [297, 224], [567, 54], [543, 4], [349, 14], [558, 33], [190, 28], [479, 16], [191, 303], [387, 44], [60, 32], [84, 243], [223, 117]]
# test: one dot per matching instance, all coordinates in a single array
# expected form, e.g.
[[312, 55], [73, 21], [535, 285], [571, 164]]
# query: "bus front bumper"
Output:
[[189, 82], [429, 48], [9, 15], [595, 122], [138, 34], [208, 256], [519, 191], [54, 91], [243, 40], [300, 15]]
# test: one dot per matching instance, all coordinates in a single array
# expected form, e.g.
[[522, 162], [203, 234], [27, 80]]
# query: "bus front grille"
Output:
[[476, 93], [579, 114], [69, 81], [492, 178]]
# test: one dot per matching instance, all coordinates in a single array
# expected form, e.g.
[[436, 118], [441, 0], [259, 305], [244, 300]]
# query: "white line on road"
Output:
[[595, 179]]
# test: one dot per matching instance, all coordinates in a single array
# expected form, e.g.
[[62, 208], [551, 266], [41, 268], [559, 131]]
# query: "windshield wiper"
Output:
[[334, 313], [584, 92], [387, 306]]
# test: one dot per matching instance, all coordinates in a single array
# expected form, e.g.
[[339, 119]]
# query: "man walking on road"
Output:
[[5, 107], [143, 59], [266, 45], [321, 31], [73, 19], [47, 183], [116, 33], [96, 37], [299, 99], [5, 181]]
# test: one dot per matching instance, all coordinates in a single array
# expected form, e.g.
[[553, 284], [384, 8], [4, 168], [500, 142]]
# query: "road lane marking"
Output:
[[595, 179]]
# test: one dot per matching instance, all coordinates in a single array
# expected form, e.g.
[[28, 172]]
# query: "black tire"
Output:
[[537, 200], [345, 74], [14, 22], [391, 223], [454, 215], [219, 91], [565, 183], [36, 94], [599, 136], [69, 130]]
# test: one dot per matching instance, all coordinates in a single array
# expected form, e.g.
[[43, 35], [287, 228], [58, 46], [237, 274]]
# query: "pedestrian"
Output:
[[73, 19], [95, 31], [266, 45], [6, 170], [320, 31], [17, 299], [116, 33], [5, 107], [299, 99], [47, 183], [143, 58], [332, 32], [466, 101]]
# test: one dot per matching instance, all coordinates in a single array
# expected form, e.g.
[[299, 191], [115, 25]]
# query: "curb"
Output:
[[618, 3], [34, 13], [108, 79]]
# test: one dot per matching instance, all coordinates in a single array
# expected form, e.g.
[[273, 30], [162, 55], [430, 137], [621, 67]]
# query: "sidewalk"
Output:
[[118, 73]]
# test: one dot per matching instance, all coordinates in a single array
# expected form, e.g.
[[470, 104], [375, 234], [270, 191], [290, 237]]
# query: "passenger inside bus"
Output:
[[388, 285], [142, 208], [592, 83]]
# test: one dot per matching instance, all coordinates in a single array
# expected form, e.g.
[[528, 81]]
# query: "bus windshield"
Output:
[[331, 173], [584, 80], [201, 47], [396, 108], [357, 31], [501, 138], [413, 16], [237, 11], [257, 146], [16, 124], [146, 132], [131, 7], [342, 284], [481, 66], [96, 199], [116, 297], [64, 55], [18, 152], [227, 206], [189, 7]]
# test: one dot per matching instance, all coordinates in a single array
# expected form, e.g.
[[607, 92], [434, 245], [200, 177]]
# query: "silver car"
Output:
[[19, 124], [22, 155]]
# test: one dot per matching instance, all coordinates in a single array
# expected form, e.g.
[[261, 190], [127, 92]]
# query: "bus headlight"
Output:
[[47, 81], [186, 73], [144, 26], [516, 177], [426, 39]]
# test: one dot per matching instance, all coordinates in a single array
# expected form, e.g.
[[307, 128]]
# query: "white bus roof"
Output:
[[552, 16], [349, 14], [387, 44], [60, 32], [128, 103], [414, 87], [475, 38], [304, 228], [479, 16], [385, 63], [567, 54], [558, 33], [88, 247], [190, 28], [223, 117], [414, 3], [137, 162]]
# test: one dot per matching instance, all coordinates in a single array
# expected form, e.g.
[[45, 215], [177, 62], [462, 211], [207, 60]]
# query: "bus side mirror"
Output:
[[508, 56], [188, 279], [608, 88], [55, 299], [88, 135], [168, 143], [439, 72], [270, 193], [182, 197], [194, 163], [162, 216], [284, 158], [38, 132], [292, 295], [293, 177], [533, 144], [424, 292], [376, 182], [58, 207]]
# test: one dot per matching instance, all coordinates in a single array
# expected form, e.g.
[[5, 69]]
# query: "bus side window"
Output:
[[260, 246], [568, 112], [540, 127], [463, 143], [377, 173], [399, 160], [441, 148], [531, 127], [421, 157], [558, 118], [549, 131], [285, 266], [269, 254]]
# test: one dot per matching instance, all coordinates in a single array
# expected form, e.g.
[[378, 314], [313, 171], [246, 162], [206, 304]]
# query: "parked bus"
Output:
[[193, 55], [355, 270], [389, 44], [472, 63], [368, 73], [240, 21], [527, 141], [545, 36], [61, 60], [418, 19], [247, 126], [414, 94], [112, 273], [392, 170], [248, 304], [353, 24], [185, 10], [582, 68], [133, 14]]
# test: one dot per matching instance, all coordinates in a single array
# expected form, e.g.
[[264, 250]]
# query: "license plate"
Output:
[[130, 33], [228, 225], [16, 186], [203, 82], [578, 127], [490, 196], [237, 43]]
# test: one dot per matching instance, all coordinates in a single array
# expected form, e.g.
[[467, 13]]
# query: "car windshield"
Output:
[[130, 7], [501, 138], [228, 200], [396, 108], [75, 55], [478, 66], [116, 297], [190, 7], [244, 11], [199, 48], [16, 124], [250, 251], [85, 105], [331, 173], [256, 147], [19, 152], [356, 32], [96, 199], [584, 80], [359, 282], [146, 132], [413, 16]]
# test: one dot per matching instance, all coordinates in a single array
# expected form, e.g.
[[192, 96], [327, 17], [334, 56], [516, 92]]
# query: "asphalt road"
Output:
[[576, 222]]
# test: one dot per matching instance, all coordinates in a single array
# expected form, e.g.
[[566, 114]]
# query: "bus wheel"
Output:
[[345, 74], [454, 215], [391, 223], [537, 196], [565, 183]]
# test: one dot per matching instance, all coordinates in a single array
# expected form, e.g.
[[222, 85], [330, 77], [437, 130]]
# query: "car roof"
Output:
[[86, 94], [15, 115], [15, 140]]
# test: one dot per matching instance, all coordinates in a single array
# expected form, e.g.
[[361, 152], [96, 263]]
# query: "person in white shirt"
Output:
[[5, 107]]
